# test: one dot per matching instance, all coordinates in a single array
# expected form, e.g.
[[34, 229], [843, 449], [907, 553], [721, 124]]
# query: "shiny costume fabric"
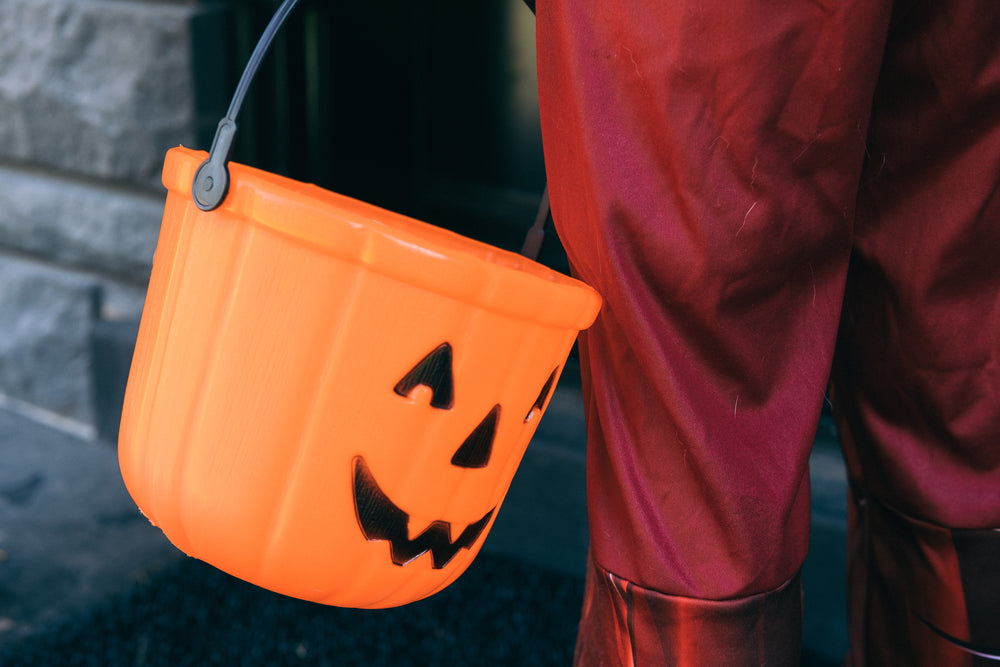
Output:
[[768, 194]]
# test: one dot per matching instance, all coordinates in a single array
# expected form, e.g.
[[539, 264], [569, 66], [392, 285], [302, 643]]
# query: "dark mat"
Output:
[[500, 612]]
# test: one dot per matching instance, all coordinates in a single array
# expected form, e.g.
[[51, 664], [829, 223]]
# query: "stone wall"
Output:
[[92, 94]]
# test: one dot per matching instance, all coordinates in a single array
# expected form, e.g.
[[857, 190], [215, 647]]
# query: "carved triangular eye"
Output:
[[433, 371], [543, 396], [476, 450]]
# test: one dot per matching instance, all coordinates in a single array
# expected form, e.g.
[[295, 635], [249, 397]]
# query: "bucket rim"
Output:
[[393, 244]]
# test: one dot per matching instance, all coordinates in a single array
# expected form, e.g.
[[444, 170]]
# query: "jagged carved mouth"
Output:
[[381, 519]]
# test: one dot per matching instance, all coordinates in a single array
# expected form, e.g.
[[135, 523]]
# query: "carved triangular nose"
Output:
[[476, 450]]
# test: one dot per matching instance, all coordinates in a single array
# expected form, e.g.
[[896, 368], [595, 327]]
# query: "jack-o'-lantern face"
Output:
[[380, 519]]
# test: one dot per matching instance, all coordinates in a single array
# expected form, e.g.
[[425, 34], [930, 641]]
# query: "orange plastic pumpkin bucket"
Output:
[[330, 400]]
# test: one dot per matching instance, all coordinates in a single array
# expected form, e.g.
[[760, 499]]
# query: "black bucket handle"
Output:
[[211, 180]]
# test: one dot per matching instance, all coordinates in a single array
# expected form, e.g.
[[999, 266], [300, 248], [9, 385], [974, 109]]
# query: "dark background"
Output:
[[426, 108]]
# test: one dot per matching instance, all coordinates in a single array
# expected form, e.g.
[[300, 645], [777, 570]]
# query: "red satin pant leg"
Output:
[[654, 146], [918, 364], [704, 158]]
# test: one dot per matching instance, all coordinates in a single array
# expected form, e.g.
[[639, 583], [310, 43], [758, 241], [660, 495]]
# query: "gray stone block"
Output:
[[45, 321], [98, 87], [83, 225], [121, 302]]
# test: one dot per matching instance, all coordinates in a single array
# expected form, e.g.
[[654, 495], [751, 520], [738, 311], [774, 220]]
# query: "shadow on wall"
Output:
[[111, 346]]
